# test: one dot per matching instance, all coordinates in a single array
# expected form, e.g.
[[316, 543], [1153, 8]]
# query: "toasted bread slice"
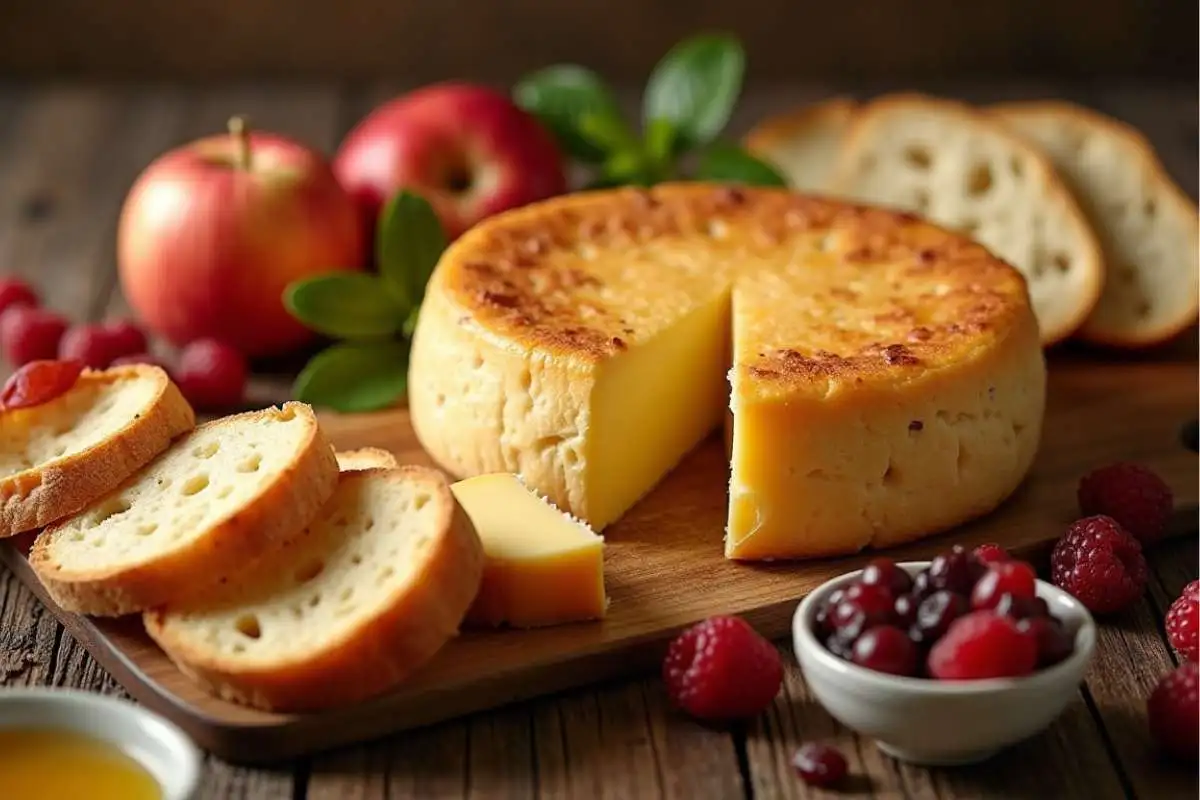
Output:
[[374, 588], [211, 505], [804, 144], [1146, 224], [960, 168], [58, 457], [365, 458]]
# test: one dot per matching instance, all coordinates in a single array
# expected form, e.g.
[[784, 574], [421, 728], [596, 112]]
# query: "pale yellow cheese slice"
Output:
[[542, 566]]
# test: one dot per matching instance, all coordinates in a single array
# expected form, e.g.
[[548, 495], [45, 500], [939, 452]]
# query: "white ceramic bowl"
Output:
[[941, 722], [160, 747]]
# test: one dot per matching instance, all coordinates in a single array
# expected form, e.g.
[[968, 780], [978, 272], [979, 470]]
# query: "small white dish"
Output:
[[157, 745], [934, 722]]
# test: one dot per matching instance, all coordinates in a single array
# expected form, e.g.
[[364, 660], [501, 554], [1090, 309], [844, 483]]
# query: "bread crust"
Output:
[[422, 616], [53, 490], [776, 130], [1149, 164], [233, 544], [365, 458], [873, 113]]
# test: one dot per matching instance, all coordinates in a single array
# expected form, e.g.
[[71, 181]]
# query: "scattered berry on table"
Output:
[[819, 764], [29, 334], [884, 572], [990, 553], [1173, 709], [90, 343], [1014, 578], [721, 669], [1131, 494], [39, 382], [16, 292], [211, 374], [126, 337], [1099, 563], [885, 648], [983, 644], [1054, 642], [1183, 622]]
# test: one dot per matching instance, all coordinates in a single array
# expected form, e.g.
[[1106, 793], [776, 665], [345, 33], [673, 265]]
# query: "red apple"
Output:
[[212, 232], [466, 149]]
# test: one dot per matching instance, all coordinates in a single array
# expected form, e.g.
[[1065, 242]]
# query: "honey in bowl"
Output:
[[45, 764]]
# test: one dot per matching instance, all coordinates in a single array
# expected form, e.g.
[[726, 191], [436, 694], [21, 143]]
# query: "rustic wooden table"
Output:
[[67, 155]]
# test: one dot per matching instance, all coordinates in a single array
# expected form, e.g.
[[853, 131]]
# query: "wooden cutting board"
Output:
[[664, 570]]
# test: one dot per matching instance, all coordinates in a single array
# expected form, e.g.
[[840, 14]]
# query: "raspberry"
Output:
[[1183, 624], [127, 338], [1007, 577], [819, 764], [1098, 562], [30, 334], [91, 344], [983, 645], [990, 553], [1174, 712], [39, 382], [1132, 495], [721, 669], [16, 292], [211, 374], [1192, 590]]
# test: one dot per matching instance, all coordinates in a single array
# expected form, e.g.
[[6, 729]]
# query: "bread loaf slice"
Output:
[[57, 457], [365, 458], [804, 144], [1146, 224], [371, 591], [961, 169], [206, 509]]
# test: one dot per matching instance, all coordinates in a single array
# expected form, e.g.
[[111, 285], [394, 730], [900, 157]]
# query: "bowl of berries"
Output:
[[945, 661]]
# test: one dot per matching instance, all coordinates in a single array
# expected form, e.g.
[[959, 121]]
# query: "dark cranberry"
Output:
[[935, 614], [884, 572], [819, 764], [1007, 577], [875, 601], [922, 585], [848, 620], [1014, 606], [988, 554], [954, 570], [905, 609], [885, 648], [840, 645], [1043, 608], [1054, 644]]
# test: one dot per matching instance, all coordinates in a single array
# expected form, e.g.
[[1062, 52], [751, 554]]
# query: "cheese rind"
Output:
[[541, 568]]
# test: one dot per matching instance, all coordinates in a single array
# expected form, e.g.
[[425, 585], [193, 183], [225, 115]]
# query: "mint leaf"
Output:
[[661, 136], [408, 244], [561, 96], [352, 377], [695, 86], [727, 162], [608, 134], [629, 167], [347, 305]]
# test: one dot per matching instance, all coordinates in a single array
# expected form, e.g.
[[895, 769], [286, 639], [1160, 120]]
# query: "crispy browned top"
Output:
[[818, 286]]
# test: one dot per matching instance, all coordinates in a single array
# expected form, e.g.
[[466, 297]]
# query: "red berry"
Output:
[[127, 338], [983, 645], [721, 669], [1174, 711], [1134, 496], [91, 344], [39, 382], [16, 292], [884, 572], [1183, 625], [935, 615], [953, 570], [990, 553], [1100, 563], [1007, 577], [211, 374], [876, 601], [885, 648], [1192, 590], [819, 764], [30, 334], [905, 610], [1017, 607], [1054, 644]]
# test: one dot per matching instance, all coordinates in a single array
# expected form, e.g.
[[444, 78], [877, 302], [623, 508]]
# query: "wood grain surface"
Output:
[[67, 155]]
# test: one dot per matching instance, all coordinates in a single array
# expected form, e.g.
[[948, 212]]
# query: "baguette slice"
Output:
[[804, 144], [217, 500], [58, 457], [960, 168], [1146, 224], [365, 458], [376, 586]]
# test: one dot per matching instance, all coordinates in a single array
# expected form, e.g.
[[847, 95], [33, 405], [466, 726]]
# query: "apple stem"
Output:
[[240, 131]]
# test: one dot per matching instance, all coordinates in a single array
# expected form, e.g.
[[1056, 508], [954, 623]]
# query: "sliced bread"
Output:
[[804, 144], [365, 458], [961, 169], [1146, 224], [374, 588], [206, 509], [57, 457]]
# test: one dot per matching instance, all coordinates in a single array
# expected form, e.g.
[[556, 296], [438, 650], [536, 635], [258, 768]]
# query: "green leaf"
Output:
[[695, 86], [561, 97], [356, 376], [409, 242], [661, 137], [608, 134], [347, 305], [629, 168], [727, 162]]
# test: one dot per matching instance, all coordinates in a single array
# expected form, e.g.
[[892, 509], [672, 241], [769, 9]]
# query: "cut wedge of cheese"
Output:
[[542, 567], [887, 378]]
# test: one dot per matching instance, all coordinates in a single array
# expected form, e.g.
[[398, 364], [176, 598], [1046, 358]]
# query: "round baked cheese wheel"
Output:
[[885, 376]]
